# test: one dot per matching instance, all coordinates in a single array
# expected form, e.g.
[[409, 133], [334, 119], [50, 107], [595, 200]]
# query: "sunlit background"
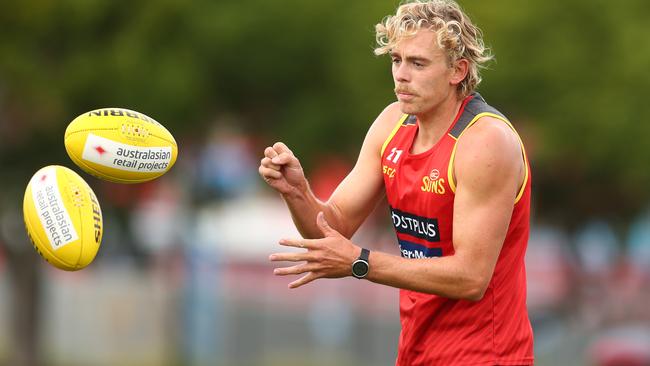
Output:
[[182, 277]]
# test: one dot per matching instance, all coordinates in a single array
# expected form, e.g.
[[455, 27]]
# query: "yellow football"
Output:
[[62, 217], [120, 145]]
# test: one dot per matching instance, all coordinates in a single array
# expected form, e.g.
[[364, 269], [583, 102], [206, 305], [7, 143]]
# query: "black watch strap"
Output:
[[365, 254]]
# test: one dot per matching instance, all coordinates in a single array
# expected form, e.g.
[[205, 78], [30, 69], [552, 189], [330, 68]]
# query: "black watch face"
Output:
[[360, 268]]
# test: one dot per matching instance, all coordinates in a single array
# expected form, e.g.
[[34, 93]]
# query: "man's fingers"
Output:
[[270, 153], [283, 158], [324, 226], [304, 280], [290, 257], [266, 162], [268, 173], [280, 147], [284, 155], [294, 270], [298, 243]]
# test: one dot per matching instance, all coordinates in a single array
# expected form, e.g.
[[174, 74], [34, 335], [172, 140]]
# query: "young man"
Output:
[[457, 180]]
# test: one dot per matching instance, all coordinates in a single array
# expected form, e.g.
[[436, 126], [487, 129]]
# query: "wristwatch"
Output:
[[360, 267]]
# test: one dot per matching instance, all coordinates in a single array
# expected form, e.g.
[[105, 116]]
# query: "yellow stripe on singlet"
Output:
[[450, 169], [392, 134]]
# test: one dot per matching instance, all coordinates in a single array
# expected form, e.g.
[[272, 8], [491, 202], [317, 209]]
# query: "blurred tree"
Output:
[[574, 73], [570, 75]]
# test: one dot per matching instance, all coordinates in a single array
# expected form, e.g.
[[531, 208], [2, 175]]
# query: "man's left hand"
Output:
[[328, 257]]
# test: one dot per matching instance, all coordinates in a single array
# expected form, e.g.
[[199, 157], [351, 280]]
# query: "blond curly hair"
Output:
[[456, 33]]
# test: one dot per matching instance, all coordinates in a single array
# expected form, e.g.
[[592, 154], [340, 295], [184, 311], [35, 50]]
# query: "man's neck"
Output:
[[435, 123]]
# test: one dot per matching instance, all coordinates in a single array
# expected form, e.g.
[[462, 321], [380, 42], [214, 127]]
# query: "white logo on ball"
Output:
[[102, 151], [51, 210]]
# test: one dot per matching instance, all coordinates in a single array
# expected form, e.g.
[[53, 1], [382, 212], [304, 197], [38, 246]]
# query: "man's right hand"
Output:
[[282, 170]]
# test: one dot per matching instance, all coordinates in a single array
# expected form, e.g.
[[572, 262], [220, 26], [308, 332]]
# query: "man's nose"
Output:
[[401, 73]]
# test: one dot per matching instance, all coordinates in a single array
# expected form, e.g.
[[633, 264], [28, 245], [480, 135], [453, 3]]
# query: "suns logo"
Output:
[[433, 183]]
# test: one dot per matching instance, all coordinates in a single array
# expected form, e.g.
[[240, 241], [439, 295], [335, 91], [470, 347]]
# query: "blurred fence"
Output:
[[212, 300]]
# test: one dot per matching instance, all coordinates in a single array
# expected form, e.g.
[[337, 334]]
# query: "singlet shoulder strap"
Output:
[[405, 120], [474, 110]]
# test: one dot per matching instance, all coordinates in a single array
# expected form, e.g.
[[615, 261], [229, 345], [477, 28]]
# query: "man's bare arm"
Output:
[[354, 198], [489, 169]]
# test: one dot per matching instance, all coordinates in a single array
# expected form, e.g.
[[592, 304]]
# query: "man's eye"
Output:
[[396, 61]]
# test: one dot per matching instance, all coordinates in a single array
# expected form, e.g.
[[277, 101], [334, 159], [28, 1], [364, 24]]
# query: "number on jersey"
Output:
[[396, 153]]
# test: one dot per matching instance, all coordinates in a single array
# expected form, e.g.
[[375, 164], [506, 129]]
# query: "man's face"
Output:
[[423, 78]]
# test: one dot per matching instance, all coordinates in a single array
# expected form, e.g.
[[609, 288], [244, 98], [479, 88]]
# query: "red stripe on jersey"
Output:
[[438, 330]]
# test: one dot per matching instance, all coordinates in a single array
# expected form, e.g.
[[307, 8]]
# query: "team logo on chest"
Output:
[[433, 183]]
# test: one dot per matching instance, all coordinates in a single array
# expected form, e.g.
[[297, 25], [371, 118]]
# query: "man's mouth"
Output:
[[404, 94]]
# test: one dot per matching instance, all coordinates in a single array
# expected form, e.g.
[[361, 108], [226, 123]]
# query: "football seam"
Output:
[[31, 239], [89, 129], [81, 229], [81, 239], [172, 141]]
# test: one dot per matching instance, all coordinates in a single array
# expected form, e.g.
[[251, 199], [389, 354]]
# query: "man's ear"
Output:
[[460, 70]]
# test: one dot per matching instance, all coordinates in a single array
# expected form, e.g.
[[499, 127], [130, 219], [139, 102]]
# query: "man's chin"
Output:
[[407, 108]]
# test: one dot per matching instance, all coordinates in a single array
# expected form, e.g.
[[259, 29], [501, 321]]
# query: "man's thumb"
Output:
[[324, 225]]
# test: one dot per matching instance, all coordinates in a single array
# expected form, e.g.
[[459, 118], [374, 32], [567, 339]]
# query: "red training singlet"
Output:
[[420, 191]]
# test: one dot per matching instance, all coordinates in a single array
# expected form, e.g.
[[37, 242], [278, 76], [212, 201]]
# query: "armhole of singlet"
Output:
[[392, 133], [450, 169]]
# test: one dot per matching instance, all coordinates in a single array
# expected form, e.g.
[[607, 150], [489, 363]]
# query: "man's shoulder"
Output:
[[490, 147], [386, 122], [490, 132], [382, 128], [390, 115]]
